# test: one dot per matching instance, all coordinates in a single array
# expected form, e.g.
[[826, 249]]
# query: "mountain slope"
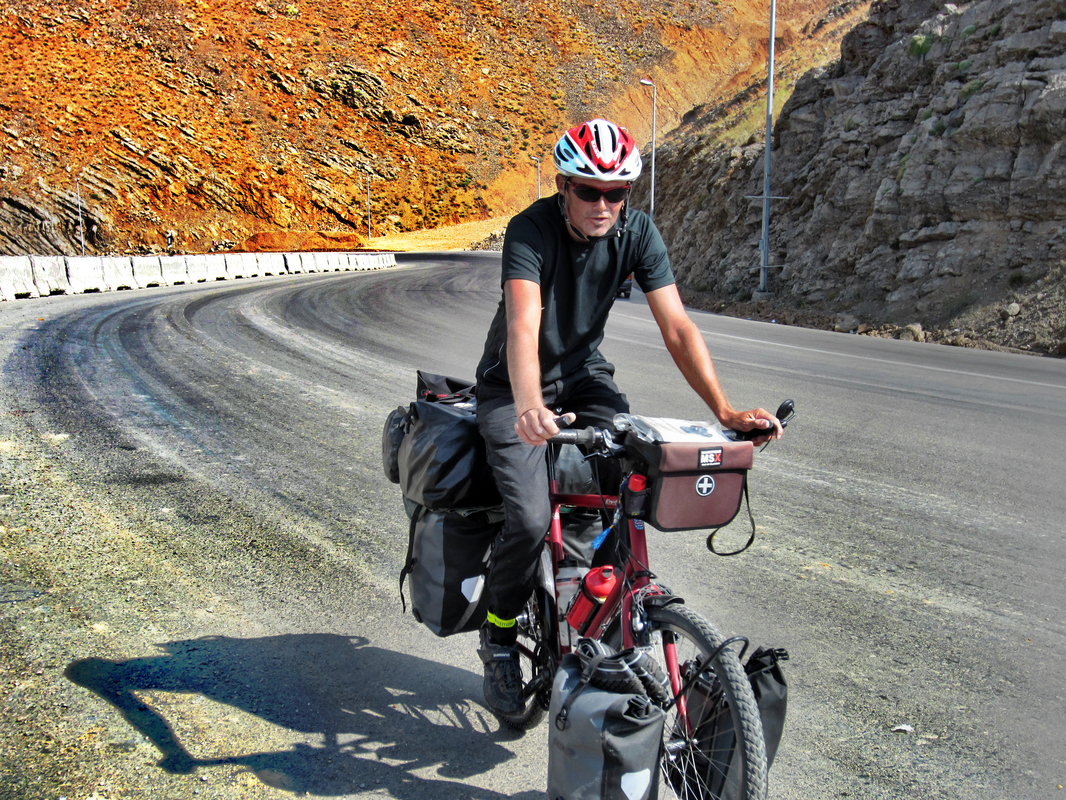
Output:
[[204, 123], [923, 177]]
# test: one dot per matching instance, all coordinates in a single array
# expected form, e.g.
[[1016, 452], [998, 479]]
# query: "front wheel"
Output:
[[713, 747]]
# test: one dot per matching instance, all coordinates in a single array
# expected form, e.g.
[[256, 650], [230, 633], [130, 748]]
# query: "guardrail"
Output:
[[40, 276]]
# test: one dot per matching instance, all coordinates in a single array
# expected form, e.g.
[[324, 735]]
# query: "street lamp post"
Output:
[[368, 206], [81, 223], [654, 111], [538, 175]]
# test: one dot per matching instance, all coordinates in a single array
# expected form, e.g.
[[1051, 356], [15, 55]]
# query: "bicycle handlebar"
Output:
[[595, 439], [602, 442]]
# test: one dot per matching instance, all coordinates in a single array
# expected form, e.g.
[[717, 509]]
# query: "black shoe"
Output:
[[503, 678]]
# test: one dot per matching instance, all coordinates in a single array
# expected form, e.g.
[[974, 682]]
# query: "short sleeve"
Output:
[[523, 257], [652, 270]]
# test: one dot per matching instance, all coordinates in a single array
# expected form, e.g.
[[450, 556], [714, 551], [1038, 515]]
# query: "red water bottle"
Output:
[[595, 588]]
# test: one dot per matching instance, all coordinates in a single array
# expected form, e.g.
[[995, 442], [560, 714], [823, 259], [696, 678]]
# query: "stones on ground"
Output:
[[912, 333], [1009, 311], [846, 323]]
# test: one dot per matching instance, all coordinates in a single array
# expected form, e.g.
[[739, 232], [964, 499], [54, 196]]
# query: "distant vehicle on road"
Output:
[[626, 288]]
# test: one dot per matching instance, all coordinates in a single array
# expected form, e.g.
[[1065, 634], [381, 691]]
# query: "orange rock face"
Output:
[[209, 124]]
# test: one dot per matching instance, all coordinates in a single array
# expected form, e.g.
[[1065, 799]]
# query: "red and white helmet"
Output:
[[598, 150]]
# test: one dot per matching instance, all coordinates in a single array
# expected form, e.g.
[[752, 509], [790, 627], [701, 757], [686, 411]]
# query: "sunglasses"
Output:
[[591, 195]]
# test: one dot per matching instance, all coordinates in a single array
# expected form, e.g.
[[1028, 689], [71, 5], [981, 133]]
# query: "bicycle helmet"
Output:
[[598, 150]]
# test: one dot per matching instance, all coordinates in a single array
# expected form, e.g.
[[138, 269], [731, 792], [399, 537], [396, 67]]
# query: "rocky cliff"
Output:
[[188, 125], [923, 178]]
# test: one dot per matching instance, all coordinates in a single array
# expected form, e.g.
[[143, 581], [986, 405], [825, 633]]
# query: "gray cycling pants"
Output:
[[522, 475]]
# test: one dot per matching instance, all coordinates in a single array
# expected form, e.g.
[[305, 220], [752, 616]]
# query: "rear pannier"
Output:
[[434, 451], [448, 564]]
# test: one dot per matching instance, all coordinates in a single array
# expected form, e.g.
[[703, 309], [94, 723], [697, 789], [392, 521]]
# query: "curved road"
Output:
[[201, 466]]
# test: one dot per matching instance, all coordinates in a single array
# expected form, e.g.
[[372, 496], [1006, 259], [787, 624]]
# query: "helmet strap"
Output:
[[566, 217]]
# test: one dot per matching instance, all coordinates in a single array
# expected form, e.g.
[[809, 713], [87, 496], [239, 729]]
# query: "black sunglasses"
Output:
[[591, 195]]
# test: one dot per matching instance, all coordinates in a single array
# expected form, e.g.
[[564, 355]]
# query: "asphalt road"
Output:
[[240, 630]]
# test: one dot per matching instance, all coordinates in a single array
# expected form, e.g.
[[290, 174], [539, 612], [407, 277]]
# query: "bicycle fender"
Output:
[[660, 600]]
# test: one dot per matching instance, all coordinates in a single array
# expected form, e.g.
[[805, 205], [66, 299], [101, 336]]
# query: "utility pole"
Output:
[[764, 240], [368, 206]]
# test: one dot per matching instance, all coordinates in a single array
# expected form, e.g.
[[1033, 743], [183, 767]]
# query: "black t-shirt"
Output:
[[578, 283]]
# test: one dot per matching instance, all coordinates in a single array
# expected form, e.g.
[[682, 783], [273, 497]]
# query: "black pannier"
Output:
[[441, 458], [448, 563], [434, 449]]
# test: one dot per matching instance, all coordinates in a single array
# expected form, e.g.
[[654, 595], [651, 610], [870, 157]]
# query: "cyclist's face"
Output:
[[591, 218]]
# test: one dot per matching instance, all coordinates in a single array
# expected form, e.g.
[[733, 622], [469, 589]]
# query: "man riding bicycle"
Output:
[[564, 258]]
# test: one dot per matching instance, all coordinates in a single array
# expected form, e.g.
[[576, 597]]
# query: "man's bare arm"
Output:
[[535, 423], [689, 351]]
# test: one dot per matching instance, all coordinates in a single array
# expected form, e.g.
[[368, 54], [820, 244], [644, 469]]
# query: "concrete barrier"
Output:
[[147, 272], [205, 267], [198, 268], [173, 270], [271, 263], [16, 278], [36, 276], [242, 265], [86, 274], [118, 272], [50, 275], [234, 265]]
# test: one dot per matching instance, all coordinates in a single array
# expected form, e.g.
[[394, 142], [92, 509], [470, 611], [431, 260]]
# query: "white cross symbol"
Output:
[[704, 485]]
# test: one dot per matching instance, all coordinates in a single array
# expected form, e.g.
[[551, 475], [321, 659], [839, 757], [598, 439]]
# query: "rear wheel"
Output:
[[713, 746], [535, 631]]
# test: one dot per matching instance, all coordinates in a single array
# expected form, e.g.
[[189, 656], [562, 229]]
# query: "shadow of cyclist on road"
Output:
[[382, 716]]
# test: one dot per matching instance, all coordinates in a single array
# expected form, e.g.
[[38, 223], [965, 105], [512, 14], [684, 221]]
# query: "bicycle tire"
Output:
[[533, 637], [723, 755]]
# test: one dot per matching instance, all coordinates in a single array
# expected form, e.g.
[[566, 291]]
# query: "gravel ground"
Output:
[[97, 571]]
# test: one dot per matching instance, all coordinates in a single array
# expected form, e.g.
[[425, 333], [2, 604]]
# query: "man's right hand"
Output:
[[536, 425]]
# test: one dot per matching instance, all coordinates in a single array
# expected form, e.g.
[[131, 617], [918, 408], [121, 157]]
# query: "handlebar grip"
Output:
[[755, 433], [785, 412], [586, 437]]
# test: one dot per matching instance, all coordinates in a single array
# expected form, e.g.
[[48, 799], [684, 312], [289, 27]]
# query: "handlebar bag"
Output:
[[692, 485]]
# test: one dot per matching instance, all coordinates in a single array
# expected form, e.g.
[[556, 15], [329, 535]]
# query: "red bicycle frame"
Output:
[[621, 597]]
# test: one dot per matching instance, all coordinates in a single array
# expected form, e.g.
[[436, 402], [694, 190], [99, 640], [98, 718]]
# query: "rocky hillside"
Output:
[[188, 124], [923, 177]]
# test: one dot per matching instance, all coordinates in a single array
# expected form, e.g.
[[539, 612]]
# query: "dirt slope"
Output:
[[204, 123]]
